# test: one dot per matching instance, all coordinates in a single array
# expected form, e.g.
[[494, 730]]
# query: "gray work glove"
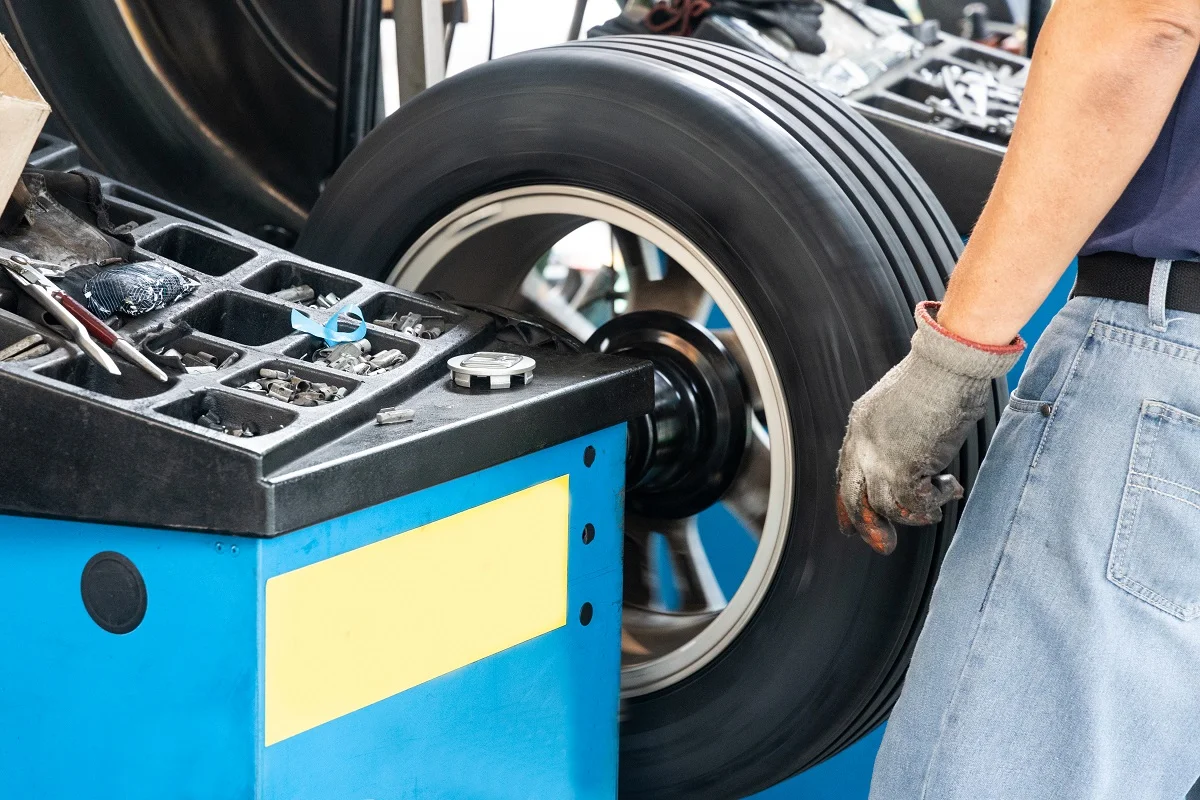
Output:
[[907, 429]]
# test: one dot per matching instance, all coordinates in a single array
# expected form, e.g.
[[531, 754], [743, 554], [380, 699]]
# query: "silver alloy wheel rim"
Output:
[[491, 210]]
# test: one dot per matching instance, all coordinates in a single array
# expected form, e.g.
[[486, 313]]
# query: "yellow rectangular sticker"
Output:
[[362, 626]]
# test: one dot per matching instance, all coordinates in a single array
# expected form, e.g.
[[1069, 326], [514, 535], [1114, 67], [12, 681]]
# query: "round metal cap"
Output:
[[487, 370]]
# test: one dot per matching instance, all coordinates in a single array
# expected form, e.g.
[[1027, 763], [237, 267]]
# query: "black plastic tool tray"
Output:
[[79, 443], [959, 166]]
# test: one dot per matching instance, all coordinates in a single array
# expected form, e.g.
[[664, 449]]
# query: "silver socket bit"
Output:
[[198, 360], [347, 350], [33, 352], [283, 393], [387, 358], [296, 294], [392, 416], [20, 346]]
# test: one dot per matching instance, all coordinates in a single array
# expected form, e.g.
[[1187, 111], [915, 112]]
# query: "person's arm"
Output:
[[1103, 79]]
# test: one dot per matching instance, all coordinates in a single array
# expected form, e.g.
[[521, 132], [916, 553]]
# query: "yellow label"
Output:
[[360, 627]]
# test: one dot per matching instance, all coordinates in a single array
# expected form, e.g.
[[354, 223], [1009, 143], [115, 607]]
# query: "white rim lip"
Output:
[[492, 209]]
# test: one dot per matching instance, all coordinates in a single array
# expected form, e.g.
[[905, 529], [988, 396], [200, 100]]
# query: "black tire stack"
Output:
[[830, 238]]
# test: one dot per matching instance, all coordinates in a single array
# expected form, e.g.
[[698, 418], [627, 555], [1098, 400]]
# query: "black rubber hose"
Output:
[[358, 77]]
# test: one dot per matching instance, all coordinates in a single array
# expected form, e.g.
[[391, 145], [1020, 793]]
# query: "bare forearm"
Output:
[[1103, 80]]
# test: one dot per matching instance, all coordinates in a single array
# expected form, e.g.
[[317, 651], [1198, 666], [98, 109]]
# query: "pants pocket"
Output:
[[1156, 549]]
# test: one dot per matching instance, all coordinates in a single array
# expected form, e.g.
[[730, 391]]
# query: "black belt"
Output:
[[1120, 276]]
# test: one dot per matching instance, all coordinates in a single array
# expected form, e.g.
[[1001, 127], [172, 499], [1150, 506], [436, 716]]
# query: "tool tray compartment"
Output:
[[82, 444], [958, 163]]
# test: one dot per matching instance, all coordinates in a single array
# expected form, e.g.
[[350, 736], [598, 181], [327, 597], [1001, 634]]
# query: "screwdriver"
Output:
[[107, 336], [82, 321], [30, 279]]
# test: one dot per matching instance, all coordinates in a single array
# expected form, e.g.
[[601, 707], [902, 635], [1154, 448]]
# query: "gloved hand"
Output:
[[907, 429]]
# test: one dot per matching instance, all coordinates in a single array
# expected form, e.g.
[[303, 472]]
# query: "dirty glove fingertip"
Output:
[[876, 530], [845, 523]]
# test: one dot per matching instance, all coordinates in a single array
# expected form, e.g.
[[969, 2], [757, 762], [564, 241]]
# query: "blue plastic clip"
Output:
[[329, 332]]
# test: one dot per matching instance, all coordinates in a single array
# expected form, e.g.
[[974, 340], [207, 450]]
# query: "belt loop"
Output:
[[1158, 294]]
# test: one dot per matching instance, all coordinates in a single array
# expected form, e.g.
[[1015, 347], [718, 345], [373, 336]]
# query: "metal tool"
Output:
[[976, 99], [394, 415], [287, 387], [32, 353], [978, 92], [108, 337], [950, 76], [94, 326], [302, 293], [992, 125], [14, 350], [40, 287]]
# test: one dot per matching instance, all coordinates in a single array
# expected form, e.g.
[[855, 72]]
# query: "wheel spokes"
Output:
[[688, 568], [550, 303], [738, 352], [663, 288], [647, 634], [693, 574], [641, 581], [747, 497]]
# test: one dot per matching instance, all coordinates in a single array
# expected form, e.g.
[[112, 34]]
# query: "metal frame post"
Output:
[[420, 45]]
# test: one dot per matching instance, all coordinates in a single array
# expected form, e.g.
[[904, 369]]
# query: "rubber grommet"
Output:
[[114, 592]]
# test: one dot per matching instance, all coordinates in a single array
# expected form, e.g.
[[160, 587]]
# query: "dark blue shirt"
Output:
[[1158, 216]]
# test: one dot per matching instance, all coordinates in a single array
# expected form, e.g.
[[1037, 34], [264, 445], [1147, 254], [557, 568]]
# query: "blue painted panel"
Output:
[[165, 711], [729, 546], [1033, 329], [174, 708], [536, 720], [846, 776]]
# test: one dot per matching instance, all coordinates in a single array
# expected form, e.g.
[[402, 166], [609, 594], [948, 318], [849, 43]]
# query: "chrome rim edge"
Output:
[[490, 210]]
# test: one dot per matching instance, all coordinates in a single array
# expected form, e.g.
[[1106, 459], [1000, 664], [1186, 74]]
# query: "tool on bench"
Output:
[[33, 346], [81, 323], [34, 282]]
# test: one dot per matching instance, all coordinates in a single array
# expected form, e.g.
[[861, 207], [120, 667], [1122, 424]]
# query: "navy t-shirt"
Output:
[[1158, 216]]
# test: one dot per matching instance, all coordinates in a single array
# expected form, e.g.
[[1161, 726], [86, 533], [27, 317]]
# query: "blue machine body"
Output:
[[175, 708]]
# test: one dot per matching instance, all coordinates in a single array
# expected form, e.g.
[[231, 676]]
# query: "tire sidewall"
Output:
[[755, 201]]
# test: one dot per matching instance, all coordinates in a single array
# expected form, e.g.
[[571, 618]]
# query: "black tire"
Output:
[[225, 107], [829, 237]]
